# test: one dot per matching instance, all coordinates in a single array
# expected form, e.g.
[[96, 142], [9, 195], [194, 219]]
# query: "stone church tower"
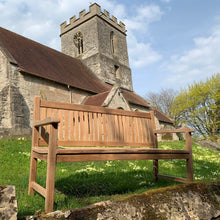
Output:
[[100, 42]]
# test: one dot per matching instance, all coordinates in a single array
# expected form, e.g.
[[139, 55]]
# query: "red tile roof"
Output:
[[42, 61], [96, 100], [134, 98], [130, 96], [161, 116]]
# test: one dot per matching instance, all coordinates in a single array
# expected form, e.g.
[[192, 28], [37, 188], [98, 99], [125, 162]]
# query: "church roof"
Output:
[[134, 98], [42, 61], [96, 100], [161, 116], [131, 97]]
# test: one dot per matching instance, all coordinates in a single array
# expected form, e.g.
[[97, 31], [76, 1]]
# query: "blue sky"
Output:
[[171, 43]]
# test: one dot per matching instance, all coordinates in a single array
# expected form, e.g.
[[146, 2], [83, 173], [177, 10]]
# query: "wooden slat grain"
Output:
[[43, 116], [104, 127], [60, 130], [39, 189], [146, 139], [100, 127], [140, 130], [128, 128], [132, 129], [49, 112], [124, 128], [100, 143], [95, 127], [136, 130], [113, 128], [76, 117], [91, 131], [43, 113], [117, 133], [86, 126], [66, 125], [46, 121], [114, 156], [71, 125], [54, 112], [81, 122], [51, 169], [121, 135], [109, 128]]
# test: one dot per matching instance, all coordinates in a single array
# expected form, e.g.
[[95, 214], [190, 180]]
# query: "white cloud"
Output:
[[198, 63], [144, 16], [141, 54], [40, 20]]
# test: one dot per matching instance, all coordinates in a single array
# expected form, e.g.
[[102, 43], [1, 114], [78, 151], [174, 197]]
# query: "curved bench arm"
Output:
[[187, 132], [180, 130], [47, 121]]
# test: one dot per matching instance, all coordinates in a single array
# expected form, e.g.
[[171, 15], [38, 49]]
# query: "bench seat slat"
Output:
[[108, 150], [94, 154]]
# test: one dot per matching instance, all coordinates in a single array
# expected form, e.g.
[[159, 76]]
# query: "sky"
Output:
[[171, 43]]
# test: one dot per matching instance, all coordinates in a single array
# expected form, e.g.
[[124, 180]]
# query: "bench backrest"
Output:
[[83, 125]]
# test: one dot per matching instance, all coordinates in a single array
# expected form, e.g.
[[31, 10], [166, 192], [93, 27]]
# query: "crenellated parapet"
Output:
[[94, 10]]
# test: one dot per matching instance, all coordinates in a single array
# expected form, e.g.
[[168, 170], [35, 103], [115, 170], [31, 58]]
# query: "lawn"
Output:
[[82, 183]]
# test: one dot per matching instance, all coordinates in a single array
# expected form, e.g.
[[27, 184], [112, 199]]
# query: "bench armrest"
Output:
[[181, 130], [47, 121], [187, 132]]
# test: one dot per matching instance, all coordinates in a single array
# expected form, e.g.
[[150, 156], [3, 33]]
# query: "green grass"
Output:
[[82, 183]]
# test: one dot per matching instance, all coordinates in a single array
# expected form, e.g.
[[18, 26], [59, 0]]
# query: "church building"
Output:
[[92, 69]]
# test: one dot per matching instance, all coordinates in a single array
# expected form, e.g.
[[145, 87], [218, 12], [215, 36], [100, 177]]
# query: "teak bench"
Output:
[[128, 135]]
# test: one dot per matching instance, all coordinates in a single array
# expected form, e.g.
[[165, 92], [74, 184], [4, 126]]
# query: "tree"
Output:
[[162, 100], [199, 107]]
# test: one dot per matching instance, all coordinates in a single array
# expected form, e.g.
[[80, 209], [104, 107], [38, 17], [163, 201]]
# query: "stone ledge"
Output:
[[210, 145], [8, 203], [189, 201]]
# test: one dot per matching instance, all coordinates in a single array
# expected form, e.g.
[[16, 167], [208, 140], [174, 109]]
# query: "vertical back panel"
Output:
[[111, 127]]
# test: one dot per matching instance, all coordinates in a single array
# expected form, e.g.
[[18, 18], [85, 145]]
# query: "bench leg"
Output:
[[155, 170], [33, 173], [51, 169], [50, 185], [189, 161], [189, 165]]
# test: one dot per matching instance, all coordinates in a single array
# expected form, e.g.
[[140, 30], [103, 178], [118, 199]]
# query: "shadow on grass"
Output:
[[100, 184], [77, 190]]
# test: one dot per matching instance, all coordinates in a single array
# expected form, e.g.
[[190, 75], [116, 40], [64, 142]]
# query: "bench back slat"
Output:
[[82, 125]]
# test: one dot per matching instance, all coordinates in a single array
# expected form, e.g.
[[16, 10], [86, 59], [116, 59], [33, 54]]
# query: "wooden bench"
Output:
[[80, 128]]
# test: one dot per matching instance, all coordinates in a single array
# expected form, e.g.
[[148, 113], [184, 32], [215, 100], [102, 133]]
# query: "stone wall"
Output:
[[116, 100], [17, 110], [4, 92], [167, 126]]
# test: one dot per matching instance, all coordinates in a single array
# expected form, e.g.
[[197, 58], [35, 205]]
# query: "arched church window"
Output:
[[117, 73], [112, 42], [78, 41]]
